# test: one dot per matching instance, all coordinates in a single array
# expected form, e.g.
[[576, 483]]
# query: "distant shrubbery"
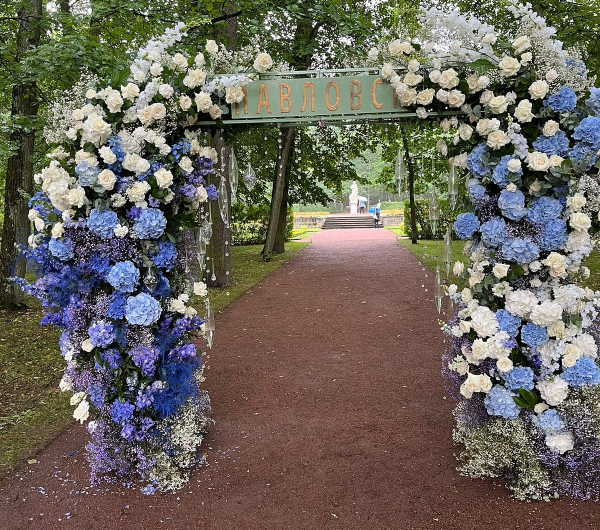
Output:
[[249, 225], [447, 217]]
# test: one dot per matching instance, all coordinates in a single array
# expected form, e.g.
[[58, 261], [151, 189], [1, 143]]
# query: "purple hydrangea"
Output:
[[124, 276], [142, 310], [121, 411], [150, 224], [165, 257]]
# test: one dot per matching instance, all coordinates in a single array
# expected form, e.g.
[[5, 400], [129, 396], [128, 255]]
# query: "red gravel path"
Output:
[[330, 412]]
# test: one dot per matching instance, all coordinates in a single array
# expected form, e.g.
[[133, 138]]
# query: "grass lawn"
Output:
[[33, 410], [301, 233]]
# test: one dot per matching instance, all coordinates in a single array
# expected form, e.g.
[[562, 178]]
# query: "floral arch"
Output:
[[122, 206]]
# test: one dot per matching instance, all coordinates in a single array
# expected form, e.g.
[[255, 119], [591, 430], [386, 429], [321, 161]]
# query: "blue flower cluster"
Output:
[[476, 163], [562, 101], [165, 256], [493, 232], [585, 372], [150, 224], [543, 210], [519, 377], [145, 358], [102, 222], [142, 310], [553, 235], [87, 174], [512, 204], [553, 145], [477, 192], [593, 102], [501, 172], [466, 225], [111, 358], [583, 157], [588, 132], [499, 402], [124, 276], [102, 333], [549, 421], [534, 335], [520, 250], [121, 411], [61, 249], [508, 323]]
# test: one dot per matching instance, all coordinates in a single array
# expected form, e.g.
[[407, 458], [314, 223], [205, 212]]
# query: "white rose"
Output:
[[186, 164], [500, 270], [202, 194], [135, 163], [550, 128], [526, 58], [538, 161], [209, 152], [570, 355], [58, 230], [580, 222], [200, 289], [560, 443], [164, 178], [64, 385], [551, 75], [166, 91], [395, 47], [556, 160], [456, 98], [485, 126], [387, 71], [87, 345], [234, 94], [136, 193], [194, 78], [486, 97], [78, 115], [521, 44], [448, 79], [471, 384], [185, 102], [373, 54], [458, 268], [211, 47], [121, 231], [199, 60], [107, 179], [76, 197], [509, 66], [576, 202], [158, 111], [523, 111], [180, 61], [414, 65], [263, 62], [408, 97], [538, 89], [130, 91], [144, 115], [497, 139], [489, 38], [82, 412], [412, 79], [465, 131], [514, 165], [434, 76], [498, 104], [504, 364], [587, 345], [156, 69], [107, 155], [466, 295], [553, 391], [203, 102], [215, 112], [90, 94]]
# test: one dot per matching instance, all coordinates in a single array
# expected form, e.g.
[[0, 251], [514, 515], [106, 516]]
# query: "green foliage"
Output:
[[447, 217], [250, 222]]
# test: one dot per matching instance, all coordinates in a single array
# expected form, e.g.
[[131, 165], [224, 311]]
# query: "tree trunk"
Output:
[[281, 171], [279, 243], [65, 8], [411, 189], [19, 168]]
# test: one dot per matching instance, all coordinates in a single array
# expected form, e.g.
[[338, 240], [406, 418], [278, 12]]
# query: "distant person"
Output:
[[377, 215], [361, 206]]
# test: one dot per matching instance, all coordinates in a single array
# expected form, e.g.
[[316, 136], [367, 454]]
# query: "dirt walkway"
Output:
[[330, 412]]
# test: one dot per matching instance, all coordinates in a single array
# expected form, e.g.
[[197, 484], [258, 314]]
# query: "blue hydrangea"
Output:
[[124, 276], [121, 411], [588, 131], [549, 421], [87, 174], [465, 225], [493, 232], [520, 250], [583, 157], [150, 224], [97, 395], [475, 162], [512, 204], [116, 305], [553, 145], [145, 358], [102, 333], [142, 310], [61, 249], [543, 210], [477, 192], [533, 335], [501, 172], [499, 402], [519, 377], [212, 192], [508, 323], [553, 235], [563, 100], [102, 222], [585, 372], [165, 257], [111, 358], [593, 102]]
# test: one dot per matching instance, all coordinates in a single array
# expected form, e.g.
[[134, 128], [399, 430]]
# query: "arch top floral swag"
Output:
[[128, 182]]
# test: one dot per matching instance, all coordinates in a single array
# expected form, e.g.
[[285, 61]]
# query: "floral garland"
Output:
[[114, 220], [523, 355]]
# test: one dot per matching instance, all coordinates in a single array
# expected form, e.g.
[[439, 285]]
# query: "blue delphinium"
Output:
[[519, 377], [102, 222], [593, 102], [520, 250], [87, 174], [475, 162], [142, 310], [501, 172], [553, 235], [534, 335], [588, 131], [558, 144], [563, 100], [102, 333], [499, 402], [124, 276], [549, 421], [493, 232], [165, 257], [543, 210], [61, 249], [145, 358], [512, 204], [508, 323], [121, 411], [477, 192], [585, 372], [466, 225], [150, 224]]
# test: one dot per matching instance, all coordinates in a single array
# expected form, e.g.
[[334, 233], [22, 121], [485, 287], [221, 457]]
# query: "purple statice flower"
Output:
[[111, 358], [134, 212]]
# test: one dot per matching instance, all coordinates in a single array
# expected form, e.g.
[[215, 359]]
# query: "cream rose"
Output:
[[537, 161], [497, 139], [164, 178], [521, 44], [203, 101], [456, 98], [395, 48], [557, 264], [186, 164], [465, 132], [448, 79], [550, 128], [185, 102], [234, 94], [263, 62], [114, 101], [538, 89], [486, 97], [523, 111], [107, 179], [504, 364], [509, 66], [580, 222], [158, 111], [498, 104], [130, 91], [500, 270], [412, 79], [215, 112], [425, 97], [180, 61], [387, 71]]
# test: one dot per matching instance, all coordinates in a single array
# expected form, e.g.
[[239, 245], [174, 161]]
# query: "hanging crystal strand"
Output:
[[452, 188], [438, 290], [249, 177], [234, 173], [447, 253], [209, 323], [150, 279], [223, 199], [434, 211]]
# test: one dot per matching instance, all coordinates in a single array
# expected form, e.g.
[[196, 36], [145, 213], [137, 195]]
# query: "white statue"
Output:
[[353, 197]]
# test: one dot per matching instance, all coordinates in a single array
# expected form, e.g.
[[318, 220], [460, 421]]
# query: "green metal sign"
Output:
[[281, 98]]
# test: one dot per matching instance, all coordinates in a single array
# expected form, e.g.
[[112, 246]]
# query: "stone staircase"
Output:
[[348, 221]]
